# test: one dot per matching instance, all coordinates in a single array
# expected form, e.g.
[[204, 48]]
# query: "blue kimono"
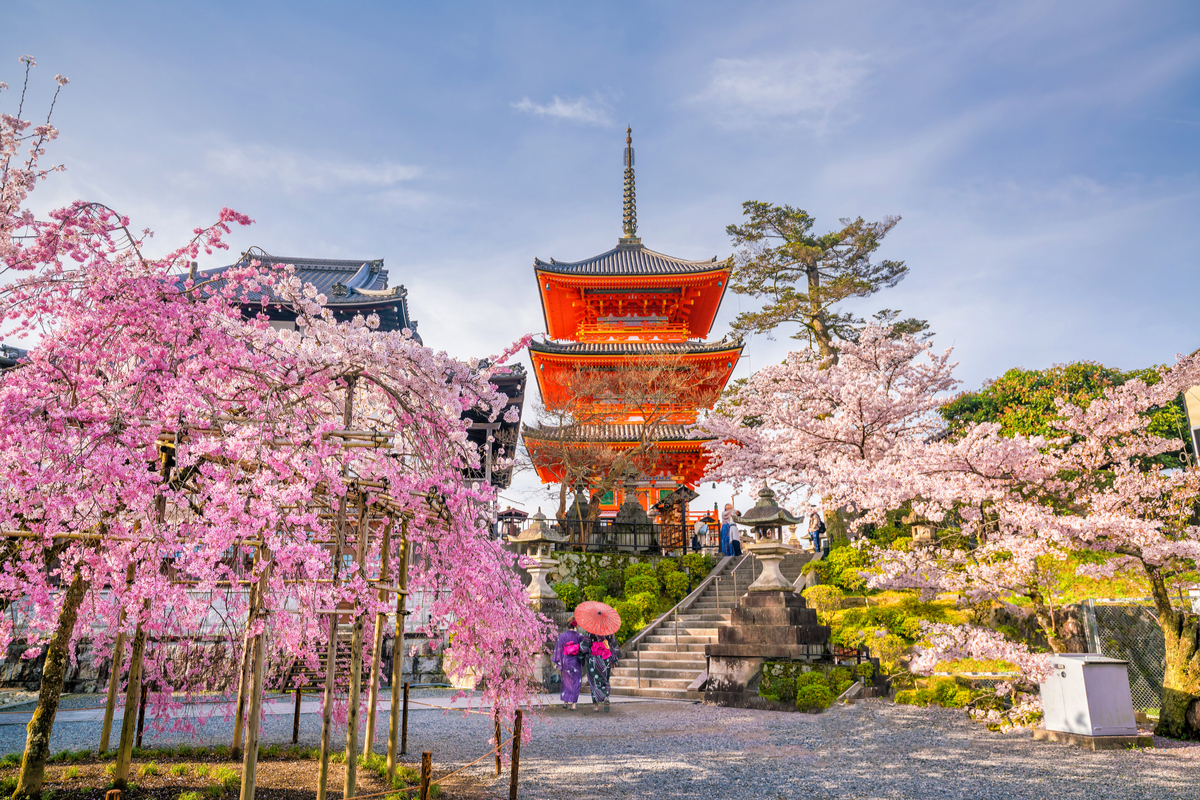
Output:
[[571, 666]]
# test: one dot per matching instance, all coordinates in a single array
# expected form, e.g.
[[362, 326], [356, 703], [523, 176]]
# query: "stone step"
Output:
[[693, 665], [680, 684], [684, 647], [651, 673], [665, 694], [683, 639]]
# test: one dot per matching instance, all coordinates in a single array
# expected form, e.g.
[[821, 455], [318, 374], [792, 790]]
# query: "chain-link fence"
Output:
[[1128, 630]]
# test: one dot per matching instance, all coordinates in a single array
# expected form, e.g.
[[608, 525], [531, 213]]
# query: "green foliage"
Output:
[[596, 592], [676, 585], [201, 770], [946, 692], [148, 769], [71, 772], [811, 679], [638, 570], [802, 276], [630, 619], [1022, 401], [193, 795], [569, 593], [11, 759], [179, 770], [8, 784], [823, 599], [777, 684], [228, 779], [840, 569], [700, 564], [639, 584], [866, 673], [221, 751], [813, 698], [665, 567]]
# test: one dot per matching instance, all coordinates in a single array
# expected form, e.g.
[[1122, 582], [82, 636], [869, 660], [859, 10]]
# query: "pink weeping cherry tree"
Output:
[[153, 428]]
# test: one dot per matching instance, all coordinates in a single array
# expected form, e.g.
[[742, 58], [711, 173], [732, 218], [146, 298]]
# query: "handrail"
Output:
[[685, 603]]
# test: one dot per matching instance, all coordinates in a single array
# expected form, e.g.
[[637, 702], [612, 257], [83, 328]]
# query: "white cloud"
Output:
[[295, 170], [805, 88], [583, 110]]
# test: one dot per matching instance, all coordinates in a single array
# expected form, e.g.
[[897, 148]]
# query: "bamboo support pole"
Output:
[[496, 719], [239, 716], [426, 773], [356, 647], [133, 688], [296, 718], [331, 658], [398, 654], [250, 760], [114, 679], [377, 644]]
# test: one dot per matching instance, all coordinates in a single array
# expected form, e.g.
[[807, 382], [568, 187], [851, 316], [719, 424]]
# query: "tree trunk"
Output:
[[1179, 717], [37, 739], [816, 314]]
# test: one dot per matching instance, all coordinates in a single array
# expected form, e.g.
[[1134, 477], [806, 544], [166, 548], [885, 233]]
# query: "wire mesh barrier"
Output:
[[1129, 630]]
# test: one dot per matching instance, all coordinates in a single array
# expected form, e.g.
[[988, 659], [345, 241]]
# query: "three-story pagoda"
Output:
[[627, 306]]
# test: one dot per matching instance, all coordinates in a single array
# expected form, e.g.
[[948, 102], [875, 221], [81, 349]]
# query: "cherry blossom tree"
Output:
[[861, 432], [153, 429]]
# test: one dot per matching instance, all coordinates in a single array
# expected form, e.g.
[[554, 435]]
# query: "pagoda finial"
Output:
[[629, 217]]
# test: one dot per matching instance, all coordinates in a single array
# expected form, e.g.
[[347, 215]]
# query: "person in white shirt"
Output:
[[735, 538]]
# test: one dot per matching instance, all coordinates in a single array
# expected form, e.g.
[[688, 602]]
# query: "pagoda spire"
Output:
[[629, 215]]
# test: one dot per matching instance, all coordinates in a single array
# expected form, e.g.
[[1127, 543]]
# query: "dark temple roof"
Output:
[[628, 260], [632, 348], [11, 356], [611, 433], [350, 286]]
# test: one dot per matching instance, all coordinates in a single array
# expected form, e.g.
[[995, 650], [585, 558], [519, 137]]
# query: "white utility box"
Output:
[[1088, 694]]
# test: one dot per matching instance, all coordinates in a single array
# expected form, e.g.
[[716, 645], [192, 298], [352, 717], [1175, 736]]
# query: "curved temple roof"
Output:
[[628, 260], [633, 348]]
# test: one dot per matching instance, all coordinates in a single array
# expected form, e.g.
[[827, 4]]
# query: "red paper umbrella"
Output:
[[598, 618]]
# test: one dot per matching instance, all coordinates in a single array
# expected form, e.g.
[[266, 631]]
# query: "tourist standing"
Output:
[[735, 538], [816, 527], [726, 525], [567, 659], [699, 535]]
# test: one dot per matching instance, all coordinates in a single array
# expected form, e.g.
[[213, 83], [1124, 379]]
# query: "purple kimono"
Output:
[[570, 666]]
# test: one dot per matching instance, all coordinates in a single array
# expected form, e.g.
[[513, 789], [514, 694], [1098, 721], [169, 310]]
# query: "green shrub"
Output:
[[640, 584], [611, 579], [676, 585], [8, 784], [71, 773], [228, 779], [781, 688], [810, 679], [664, 568], [569, 593], [645, 604], [179, 770], [815, 697], [630, 619], [637, 569], [866, 673], [202, 770], [221, 751], [596, 592], [11, 759], [699, 563], [271, 751], [823, 599]]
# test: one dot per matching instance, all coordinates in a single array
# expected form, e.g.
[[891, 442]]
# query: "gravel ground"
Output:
[[872, 749]]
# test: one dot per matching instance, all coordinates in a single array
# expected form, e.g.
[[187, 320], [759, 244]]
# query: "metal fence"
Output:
[[1129, 630], [603, 535]]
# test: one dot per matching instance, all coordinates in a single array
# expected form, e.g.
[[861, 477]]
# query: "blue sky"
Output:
[[1042, 155]]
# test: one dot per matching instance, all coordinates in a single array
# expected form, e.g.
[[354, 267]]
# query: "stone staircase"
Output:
[[670, 664]]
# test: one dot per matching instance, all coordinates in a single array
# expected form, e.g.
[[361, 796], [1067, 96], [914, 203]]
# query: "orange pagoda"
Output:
[[627, 306]]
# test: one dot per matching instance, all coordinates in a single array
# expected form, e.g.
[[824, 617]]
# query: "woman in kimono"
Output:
[[600, 654], [567, 659]]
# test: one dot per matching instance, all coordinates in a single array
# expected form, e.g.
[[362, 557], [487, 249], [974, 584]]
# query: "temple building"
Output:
[[360, 286], [627, 307]]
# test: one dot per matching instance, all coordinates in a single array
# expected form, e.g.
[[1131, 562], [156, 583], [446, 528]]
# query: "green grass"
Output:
[[12, 759], [71, 772], [179, 770], [191, 796], [150, 768], [228, 779], [8, 784], [202, 770]]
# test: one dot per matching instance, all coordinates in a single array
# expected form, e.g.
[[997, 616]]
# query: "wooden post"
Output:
[[296, 718], [398, 653], [133, 688], [426, 773], [114, 683], [497, 719], [250, 758], [114, 680], [516, 757], [404, 728], [377, 646], [356, 646], [239, 716], [331, 658], [141, 716]]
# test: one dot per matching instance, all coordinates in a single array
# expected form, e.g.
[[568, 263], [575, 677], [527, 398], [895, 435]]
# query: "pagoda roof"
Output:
[[611, 433], [350, 286], [628, 259], [633, 348]]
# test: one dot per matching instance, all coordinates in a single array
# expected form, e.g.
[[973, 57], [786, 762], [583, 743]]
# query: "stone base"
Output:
[[746, 700], [1094, 742]]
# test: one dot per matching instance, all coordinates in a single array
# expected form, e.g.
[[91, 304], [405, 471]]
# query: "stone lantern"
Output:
[[537, 541], [768, 520]]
